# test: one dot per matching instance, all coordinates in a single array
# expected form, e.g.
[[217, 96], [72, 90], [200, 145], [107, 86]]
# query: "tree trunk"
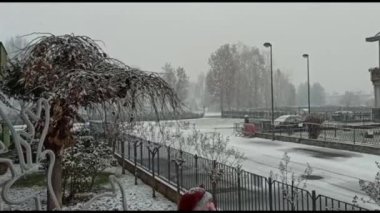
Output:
[[58, 137], [56, 179]]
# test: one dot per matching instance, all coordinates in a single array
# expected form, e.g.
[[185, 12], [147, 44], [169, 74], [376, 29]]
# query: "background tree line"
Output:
[[239, 78]]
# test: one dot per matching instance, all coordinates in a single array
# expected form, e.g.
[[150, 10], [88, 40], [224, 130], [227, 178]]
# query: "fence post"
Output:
[[135, 156], [129, 151], [270, 193], [123, 154], [238, 183], [141, 153], [177, 174], [335, 132], [324, 129], [314, 200], [158, 161], [149, 167], [153, 174], [213, 183], [168, 163], [354, 136], [292, 197], [196, 169], [181, 170]]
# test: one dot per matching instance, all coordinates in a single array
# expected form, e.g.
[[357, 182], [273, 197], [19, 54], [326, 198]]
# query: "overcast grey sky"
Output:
[[147, 35]]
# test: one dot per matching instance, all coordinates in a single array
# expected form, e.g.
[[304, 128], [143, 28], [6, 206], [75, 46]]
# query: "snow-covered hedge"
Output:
[[83, 162]]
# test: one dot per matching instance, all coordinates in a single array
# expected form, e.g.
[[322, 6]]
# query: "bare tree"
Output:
[[287, 176], [371, 189], [350, 99], [170, 75], [220, 78]]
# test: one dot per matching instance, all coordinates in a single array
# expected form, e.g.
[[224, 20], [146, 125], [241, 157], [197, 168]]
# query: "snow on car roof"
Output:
[[284, 117]]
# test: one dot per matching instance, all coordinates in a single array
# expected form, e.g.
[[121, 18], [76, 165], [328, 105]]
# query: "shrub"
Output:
[[83, 162]]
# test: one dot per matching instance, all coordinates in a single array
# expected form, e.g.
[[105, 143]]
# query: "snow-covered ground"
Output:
[[139, 197], [339, 170]]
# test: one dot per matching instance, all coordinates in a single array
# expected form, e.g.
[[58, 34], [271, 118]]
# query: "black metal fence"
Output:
[[355, 116], [236, 189], [363, 135]]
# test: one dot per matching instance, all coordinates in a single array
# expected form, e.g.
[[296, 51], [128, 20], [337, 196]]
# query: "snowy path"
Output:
[[339, 170], [139, 197]]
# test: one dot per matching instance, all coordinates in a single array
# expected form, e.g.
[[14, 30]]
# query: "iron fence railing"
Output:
[[355, 116], [361, 135], [236, 189]]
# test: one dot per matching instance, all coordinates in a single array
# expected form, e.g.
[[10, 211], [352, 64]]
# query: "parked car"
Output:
[[293, 121], [342, 115]]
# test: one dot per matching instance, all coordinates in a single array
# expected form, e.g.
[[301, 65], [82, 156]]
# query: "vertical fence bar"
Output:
[[354, 136], [141, 153], [314, 200], [158, 161], [177, 174], [123, 158], [292, 197], [129, 150], [238, 183], [324, 129], [270, 193], [149, 165], [135, 156], [245, 189], [213, 184], [153, 173], [181, 170], [169, 163], [196, 169]]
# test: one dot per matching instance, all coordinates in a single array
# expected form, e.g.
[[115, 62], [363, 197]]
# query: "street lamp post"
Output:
[[308, 82], [375, 38], [267, 44], [375, 78]]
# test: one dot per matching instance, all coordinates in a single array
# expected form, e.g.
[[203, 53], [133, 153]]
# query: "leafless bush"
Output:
[[288, 177]]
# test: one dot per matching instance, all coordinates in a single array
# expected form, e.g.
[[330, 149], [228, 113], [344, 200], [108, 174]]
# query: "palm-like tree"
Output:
[[73, 72]]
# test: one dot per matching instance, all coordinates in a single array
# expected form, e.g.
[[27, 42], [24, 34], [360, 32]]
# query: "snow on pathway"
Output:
[[139, 197]]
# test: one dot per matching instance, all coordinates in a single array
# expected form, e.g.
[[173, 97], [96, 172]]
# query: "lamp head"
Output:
[[373, 38], [267, 44], [305, 55]]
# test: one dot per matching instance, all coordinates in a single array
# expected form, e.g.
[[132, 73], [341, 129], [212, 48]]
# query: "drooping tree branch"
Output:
[[72, 72]]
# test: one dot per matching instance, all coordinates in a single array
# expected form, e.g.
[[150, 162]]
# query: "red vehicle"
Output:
[[249, 129]]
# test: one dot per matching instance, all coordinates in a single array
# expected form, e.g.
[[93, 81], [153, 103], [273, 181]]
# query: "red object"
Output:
[[194, 199], [249, 129]]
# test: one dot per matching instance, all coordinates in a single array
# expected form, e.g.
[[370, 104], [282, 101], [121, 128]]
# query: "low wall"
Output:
[[321, 143], [169, 191]]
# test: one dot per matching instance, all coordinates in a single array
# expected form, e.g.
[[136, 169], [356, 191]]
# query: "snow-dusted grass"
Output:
[[139, 197]]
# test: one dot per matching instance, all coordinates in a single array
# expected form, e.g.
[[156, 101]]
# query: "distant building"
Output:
[[335, 99]]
